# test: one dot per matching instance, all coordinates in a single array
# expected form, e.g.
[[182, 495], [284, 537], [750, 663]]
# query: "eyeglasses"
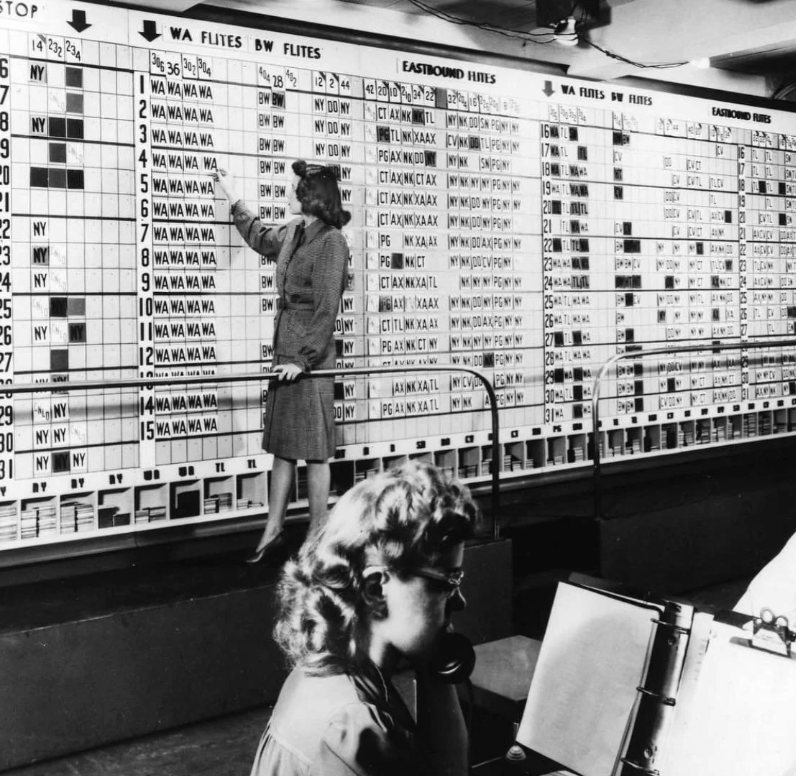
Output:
[[450, 582]]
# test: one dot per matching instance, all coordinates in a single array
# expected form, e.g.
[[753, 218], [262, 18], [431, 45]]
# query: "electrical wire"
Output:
[[619, 57], [533, 37], [784, 92]]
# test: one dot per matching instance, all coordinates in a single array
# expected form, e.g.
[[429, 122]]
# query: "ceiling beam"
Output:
[[652, 32], [163, 6], [381, 17]]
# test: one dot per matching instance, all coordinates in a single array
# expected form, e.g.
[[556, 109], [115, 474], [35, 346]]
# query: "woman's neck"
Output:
[[308, 219], [384, 656]]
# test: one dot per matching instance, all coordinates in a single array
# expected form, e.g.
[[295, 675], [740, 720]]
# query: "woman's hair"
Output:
[[408, 517], [319, 194]]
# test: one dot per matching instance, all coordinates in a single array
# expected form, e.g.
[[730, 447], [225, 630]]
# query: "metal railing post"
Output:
[[595, 400], [166, 382]]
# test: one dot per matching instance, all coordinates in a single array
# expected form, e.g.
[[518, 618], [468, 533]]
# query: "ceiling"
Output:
[[752, 37], [742, 39]]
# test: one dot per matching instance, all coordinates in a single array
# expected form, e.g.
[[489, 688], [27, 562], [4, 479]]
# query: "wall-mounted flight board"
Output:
[[526, 225]]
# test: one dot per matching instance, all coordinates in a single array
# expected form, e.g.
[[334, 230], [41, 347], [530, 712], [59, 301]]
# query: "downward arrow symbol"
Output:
[[79, 22], [150, 31]]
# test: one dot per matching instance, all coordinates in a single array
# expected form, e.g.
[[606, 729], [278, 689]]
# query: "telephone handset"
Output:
[[454, 658]]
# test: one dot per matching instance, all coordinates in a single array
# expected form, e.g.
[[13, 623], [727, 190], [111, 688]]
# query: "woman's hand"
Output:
[[226, 182], [288, 372]]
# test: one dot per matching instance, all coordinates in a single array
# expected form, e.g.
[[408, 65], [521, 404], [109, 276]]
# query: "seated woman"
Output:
[[374, 587]]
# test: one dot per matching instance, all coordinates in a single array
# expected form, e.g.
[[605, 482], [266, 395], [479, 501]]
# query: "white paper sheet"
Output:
[[593, 658], [741, 718]]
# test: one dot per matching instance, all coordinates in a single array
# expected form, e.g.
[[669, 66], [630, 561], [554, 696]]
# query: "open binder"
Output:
[[627, 685]]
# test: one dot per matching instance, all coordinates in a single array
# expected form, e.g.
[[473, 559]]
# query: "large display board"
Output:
[[526, 225]]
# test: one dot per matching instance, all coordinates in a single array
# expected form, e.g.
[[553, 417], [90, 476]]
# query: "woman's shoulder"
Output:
[[335, 698], [322, 714], [365, 735], [327, 689], [306, 703], [332, 233]]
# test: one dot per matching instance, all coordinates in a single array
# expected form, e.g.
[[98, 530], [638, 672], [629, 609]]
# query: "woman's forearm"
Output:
[[266, 240]]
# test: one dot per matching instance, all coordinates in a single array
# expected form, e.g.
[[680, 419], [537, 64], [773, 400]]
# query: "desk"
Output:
[[500, 681], [502, 675], [535, 765]]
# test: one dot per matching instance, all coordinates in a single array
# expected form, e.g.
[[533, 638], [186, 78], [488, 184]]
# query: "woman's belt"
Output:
[[285, 304]]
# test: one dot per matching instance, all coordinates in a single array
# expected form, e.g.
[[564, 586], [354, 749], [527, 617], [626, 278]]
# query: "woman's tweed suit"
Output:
[[310, 278]]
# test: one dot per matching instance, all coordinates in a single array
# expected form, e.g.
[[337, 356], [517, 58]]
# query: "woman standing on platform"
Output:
[[311, 270], [375, 587]]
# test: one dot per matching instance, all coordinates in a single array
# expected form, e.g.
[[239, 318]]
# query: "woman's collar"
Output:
[[312, 229], [371, 681]]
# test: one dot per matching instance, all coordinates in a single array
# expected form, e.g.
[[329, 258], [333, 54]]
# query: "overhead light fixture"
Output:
[[588, 12], [565, 32]]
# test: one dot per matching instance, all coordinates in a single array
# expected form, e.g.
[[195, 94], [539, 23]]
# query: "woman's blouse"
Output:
[[339, 725]]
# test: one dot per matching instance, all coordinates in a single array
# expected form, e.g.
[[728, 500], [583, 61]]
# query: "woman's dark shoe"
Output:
[[271, 551]]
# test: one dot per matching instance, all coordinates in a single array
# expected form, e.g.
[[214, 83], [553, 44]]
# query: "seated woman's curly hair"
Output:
[[410, 516], [319, 194]]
